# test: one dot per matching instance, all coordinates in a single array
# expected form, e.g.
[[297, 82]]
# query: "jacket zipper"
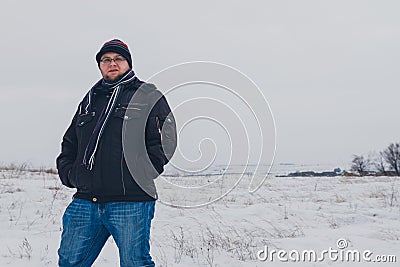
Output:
[[122, 159], [127, 108], [122, 172]]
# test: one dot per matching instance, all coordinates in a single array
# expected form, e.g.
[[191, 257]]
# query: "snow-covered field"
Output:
[[284, 214]]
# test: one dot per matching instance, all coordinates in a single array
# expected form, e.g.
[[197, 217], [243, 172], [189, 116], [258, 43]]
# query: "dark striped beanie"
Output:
[[116, 46]]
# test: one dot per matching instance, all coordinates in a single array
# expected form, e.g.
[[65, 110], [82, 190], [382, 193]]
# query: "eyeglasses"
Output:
[[108, 60]]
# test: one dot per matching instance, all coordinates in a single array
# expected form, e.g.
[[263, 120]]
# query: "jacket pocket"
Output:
[[72, 175], [83, 119], [131, 111], [81, 177], [157, 160]]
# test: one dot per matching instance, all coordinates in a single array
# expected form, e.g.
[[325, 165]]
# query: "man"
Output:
[[103, 157]]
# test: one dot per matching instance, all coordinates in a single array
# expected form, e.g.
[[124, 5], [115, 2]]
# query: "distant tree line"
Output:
[[386, 162]]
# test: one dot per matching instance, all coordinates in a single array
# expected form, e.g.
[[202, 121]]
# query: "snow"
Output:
[[304, 213]]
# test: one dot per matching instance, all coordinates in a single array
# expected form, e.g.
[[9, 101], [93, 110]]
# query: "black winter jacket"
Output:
[[110, 179]]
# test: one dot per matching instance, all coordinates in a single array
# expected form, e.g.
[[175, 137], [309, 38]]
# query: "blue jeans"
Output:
[[87, 226]]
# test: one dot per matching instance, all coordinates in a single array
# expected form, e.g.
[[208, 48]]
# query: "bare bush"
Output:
[[24, 250], [208, 243], [14, 170], [392, 197], [183, 246]]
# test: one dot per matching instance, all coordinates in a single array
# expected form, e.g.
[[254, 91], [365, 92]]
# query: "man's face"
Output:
[[113, 70]]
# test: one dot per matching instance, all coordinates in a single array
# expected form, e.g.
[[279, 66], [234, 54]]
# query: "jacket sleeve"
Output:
[[167, 127], [67, 157]]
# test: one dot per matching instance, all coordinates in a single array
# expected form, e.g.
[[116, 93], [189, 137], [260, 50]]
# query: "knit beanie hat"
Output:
[[116, 46]]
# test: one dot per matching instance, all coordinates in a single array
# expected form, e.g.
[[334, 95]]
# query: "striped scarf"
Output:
[[115, 88]]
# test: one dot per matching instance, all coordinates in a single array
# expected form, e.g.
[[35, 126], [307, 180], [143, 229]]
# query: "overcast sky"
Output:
[[330, 70]]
